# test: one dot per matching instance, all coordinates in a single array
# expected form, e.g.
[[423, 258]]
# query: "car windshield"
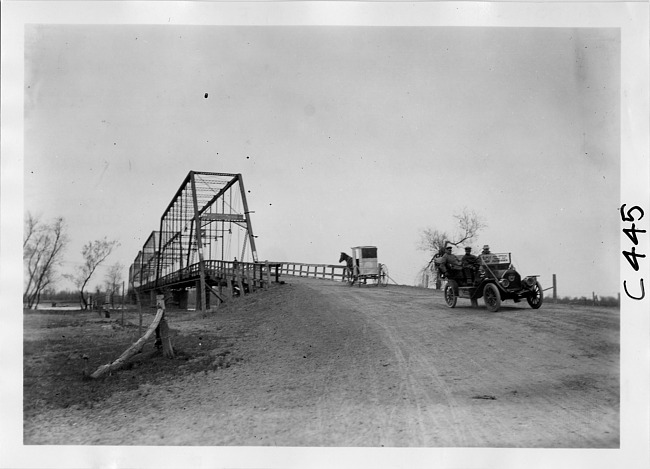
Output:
[[496, 261]]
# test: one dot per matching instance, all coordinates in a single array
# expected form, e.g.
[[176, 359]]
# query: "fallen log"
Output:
[[132, 350]]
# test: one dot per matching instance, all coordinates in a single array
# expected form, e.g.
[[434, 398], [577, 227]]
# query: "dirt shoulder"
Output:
[[318, 363]]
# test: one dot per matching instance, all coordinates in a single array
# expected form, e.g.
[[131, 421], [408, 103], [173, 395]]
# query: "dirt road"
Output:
[[318, 363]]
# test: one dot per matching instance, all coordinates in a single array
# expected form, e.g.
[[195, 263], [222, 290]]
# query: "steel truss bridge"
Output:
[[205, 241]]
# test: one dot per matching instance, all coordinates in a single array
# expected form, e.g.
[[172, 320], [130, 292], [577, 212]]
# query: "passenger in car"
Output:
[[451, 265], [470, 265]]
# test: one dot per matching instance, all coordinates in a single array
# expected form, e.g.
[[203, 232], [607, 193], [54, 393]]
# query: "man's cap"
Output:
[[486, 247], [467, 248]]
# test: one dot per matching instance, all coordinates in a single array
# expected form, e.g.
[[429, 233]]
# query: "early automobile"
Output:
[[495, 279]]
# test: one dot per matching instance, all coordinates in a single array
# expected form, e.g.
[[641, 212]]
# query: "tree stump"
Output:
[[168, 349]]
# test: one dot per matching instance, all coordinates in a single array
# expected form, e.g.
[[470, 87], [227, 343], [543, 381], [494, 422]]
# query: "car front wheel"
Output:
[[537, 297], [492, 297]]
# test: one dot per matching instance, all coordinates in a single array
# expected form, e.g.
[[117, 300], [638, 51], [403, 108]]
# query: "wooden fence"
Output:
[[324, 271]]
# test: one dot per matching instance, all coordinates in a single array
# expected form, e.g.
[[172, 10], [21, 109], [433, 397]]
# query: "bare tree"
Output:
[[468, 227], [31, 225], [94, 254], [113, 280], [43, 246], [469, 223], [433, 241]]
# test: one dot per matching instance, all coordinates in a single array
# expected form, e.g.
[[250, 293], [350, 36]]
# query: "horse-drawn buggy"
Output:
[[493, 278], [363, 267]]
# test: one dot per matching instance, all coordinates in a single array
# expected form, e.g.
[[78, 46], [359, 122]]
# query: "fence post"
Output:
[[249, 280], [122, 303], [554, 289], [162, 331], [268, 275]]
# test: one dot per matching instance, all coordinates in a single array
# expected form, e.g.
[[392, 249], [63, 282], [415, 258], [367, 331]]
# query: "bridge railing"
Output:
[[324, 271], [258, 272], [252, 270]]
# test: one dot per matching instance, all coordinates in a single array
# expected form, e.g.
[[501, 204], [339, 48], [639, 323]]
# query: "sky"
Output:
[[344, 135]]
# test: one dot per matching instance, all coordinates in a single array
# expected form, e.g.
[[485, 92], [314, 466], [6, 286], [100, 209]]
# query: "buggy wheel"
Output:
[[382, 280], [450, 294], [537, 298], [492, 297]]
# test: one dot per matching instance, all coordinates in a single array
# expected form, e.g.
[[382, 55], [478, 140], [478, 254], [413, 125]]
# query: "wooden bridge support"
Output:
[[152, 297], [180, 297], [214, 298], [240, 283], [197, 290], [230, 287], [222, 281]]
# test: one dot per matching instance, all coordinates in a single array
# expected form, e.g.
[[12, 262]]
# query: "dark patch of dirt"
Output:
[[57, 365]]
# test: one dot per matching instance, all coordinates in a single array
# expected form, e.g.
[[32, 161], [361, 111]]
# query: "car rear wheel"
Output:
[[537, 297], [492, 297], [450, 294]]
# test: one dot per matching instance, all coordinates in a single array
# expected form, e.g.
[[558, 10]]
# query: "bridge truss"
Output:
[[206, 226]]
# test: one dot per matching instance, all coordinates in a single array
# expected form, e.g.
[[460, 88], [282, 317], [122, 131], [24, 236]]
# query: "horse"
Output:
[[349, 265]]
